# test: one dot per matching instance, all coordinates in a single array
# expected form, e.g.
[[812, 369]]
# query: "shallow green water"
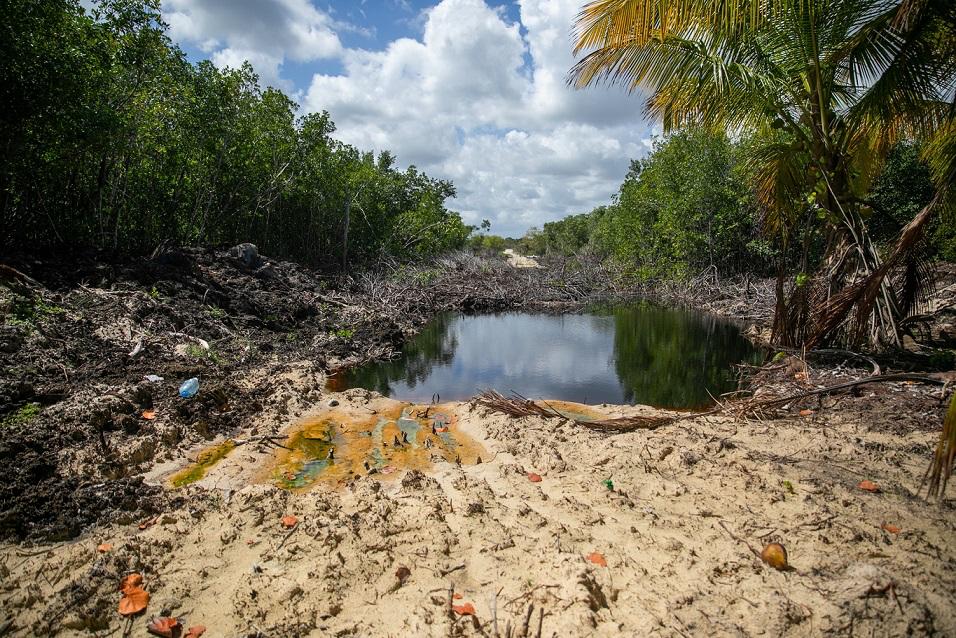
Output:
[[638, 353]]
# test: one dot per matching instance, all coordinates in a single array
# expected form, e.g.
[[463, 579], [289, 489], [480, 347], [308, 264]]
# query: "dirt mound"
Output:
[[92, 354]]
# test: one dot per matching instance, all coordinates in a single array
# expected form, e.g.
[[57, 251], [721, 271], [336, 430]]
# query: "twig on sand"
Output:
[[445, 572], [268, 440], [451, 598], [739, 539], [527, 621]]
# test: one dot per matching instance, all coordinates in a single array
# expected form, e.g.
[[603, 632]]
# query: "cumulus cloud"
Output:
[[475, 98], [483, 102], [264, 32]]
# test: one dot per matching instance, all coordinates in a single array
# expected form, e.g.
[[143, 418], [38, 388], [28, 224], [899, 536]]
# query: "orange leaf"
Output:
[[892, 529], [195, 631], [441, 429], [457, 596], [134, 601], [806, 412], [131, 581], [597, 558], [149, 415], [534, 478], [868, 486], [464, 610], [165, 627], [289, 522], [104, 547]]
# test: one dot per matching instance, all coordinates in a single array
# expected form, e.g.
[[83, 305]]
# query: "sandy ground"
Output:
[[687, 500], [520, 261]]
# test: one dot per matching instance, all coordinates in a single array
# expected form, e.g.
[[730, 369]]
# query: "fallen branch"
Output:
[[518, 406]]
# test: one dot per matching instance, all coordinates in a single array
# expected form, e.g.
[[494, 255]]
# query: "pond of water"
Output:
[[639, 353]]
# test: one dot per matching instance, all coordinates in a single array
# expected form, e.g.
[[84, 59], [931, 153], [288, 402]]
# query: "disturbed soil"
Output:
[[638, 533], [81, 335]]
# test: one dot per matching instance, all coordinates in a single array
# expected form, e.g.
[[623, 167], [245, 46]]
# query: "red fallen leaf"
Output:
[[534, 478], [868, 486], [892, 529], [134, 601], [131, 581], [441, 429], [195, 631], [102, 548], [289, 522], [149, 415], [457, 596], [806, 412], [165, 627], [597, 558], [464, 610], [149, 522]]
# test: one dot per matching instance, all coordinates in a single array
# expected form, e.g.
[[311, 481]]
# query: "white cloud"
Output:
[[462, 103], [265, 32], [476, 98]]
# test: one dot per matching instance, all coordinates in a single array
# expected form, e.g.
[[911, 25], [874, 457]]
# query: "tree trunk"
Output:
[[345, 234]]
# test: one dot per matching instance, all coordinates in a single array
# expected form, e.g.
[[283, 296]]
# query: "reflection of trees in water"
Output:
[[669, 358], [434, 345]]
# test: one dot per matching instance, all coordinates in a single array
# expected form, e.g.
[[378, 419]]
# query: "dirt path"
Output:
[[504, 542]]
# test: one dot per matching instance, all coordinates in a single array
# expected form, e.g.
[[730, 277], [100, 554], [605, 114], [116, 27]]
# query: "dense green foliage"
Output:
[[902, 189], [112, 139], [690, 205], [824, 89], [683, 208]]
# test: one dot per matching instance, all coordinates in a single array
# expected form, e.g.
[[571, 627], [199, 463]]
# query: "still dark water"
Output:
[[638, 353]]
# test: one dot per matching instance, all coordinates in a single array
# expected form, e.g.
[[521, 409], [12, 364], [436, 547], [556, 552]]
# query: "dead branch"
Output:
[[518, 406]]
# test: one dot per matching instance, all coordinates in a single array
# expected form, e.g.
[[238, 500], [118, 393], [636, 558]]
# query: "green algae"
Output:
[[204, 461]]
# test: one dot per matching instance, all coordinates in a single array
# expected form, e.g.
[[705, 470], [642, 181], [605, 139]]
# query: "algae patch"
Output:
[[204, 461], [337, 446]]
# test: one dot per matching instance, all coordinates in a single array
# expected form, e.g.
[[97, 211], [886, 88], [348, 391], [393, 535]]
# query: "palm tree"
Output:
[[825, 88]]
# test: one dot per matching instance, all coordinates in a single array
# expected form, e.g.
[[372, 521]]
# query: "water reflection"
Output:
[[638, 353]]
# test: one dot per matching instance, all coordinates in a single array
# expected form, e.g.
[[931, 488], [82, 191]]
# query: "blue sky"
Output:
[[466, 90]]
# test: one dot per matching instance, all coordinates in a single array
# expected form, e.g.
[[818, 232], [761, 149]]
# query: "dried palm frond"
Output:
[[750, 408], [914, 284], [864, 293], [518, 406], [939, 471]]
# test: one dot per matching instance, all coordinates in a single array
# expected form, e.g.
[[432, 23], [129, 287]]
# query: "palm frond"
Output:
[[777, 173], [915, 282], [941, 468], [604, 24]]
